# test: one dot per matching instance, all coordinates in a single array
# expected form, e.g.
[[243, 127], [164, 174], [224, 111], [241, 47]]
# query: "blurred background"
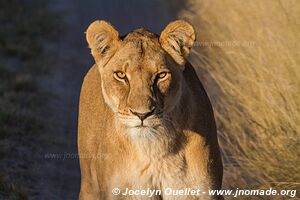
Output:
[[246, 55]]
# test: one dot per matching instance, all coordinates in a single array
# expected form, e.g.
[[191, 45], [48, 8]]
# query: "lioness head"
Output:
[[141, 73]]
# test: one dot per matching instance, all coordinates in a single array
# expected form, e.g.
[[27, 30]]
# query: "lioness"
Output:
[[145, 121]]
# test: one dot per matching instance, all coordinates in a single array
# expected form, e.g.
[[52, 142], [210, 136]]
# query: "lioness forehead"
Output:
[[144, 41], [141, 49]]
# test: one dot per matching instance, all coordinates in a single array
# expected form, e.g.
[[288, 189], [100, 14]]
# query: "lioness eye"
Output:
[[162, 75], [120, 75]]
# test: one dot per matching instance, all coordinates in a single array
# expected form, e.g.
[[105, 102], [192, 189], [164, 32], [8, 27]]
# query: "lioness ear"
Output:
[[103, 40], [177, 39]]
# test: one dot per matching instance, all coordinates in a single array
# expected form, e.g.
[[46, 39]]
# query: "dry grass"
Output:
[[248, 54]]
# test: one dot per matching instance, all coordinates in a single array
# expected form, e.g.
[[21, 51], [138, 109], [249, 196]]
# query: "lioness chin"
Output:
[[145, 121]]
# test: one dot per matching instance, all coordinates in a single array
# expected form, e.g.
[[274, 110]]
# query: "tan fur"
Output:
[[177, 145]]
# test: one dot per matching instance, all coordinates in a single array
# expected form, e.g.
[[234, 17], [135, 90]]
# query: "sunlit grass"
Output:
[[248, 57]]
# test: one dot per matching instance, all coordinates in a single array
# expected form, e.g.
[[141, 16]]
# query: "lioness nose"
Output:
[[144, 115]]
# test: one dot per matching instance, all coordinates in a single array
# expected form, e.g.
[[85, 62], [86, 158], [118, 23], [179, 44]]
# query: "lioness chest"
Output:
[[154, 174], [151, 167]]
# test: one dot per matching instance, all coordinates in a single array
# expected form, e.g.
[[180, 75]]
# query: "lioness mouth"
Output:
[[141, 126]]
